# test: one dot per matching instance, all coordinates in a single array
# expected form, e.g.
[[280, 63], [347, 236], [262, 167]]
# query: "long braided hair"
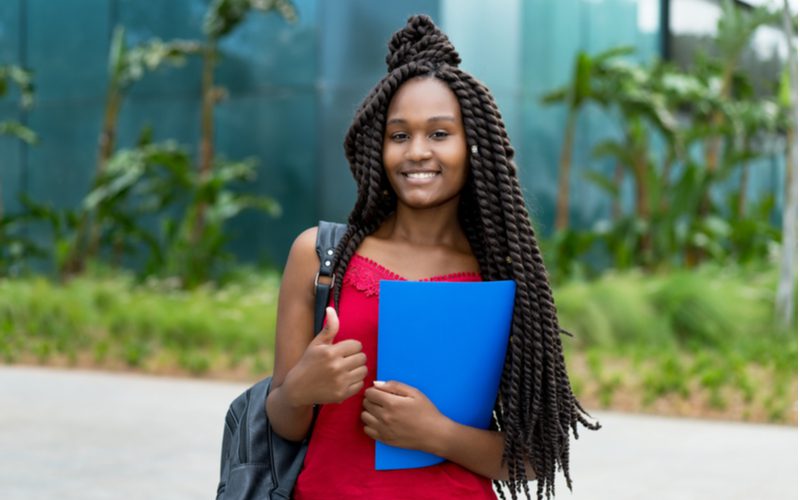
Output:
[[535, 408]]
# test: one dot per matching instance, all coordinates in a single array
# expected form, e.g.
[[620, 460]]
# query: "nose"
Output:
[[418, 149]]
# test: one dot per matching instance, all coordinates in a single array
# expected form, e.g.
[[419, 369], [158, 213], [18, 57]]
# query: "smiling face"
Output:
[[424, 145]]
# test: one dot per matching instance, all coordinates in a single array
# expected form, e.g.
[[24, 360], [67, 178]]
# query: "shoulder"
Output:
[[302, 262], [305, 243]]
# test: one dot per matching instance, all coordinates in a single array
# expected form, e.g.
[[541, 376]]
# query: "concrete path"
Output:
[[73, 435]]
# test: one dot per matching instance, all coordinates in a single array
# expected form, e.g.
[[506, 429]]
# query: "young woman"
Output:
[[439, 200]]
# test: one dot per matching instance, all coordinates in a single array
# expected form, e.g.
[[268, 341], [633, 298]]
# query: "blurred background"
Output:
[[158, 158]]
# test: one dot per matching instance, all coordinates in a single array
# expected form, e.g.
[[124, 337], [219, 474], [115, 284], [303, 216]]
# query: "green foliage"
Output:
[[192, 258], [736, 26], [153, 179], [118, 322], [667, 376], [18, 130], [134, 187], [666, 118], [137, 182], [585, 86], [693, 310], [129, 64], [224, 15], [21, 78], [18, 248]]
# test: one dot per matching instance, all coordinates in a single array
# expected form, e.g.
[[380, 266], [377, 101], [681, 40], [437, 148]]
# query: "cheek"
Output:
[[390, 156]]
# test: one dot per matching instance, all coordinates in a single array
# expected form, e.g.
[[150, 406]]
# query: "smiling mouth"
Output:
[[420, 175]]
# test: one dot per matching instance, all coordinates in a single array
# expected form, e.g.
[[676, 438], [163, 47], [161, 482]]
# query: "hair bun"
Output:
[[420, 41]]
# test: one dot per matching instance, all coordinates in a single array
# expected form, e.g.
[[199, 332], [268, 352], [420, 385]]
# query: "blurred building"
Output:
[[293, 89]]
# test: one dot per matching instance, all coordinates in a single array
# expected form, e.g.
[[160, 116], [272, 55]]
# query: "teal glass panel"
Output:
[[176, 118], [336, 186], [67, 45], [11, 167], [62, 165], [487, 36], [280, 132], [11, 149], [355, 35], [551, 35], [10, 18]]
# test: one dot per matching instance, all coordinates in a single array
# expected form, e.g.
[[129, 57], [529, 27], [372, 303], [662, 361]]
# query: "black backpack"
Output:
[[257, 463]]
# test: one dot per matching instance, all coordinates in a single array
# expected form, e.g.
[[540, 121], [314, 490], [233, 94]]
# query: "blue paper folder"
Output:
[[447, 339]]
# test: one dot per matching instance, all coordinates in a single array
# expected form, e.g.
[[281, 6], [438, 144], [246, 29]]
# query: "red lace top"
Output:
[[341, 459]]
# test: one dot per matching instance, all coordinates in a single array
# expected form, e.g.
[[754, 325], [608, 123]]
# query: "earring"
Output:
[[385, 193], [474, 149]]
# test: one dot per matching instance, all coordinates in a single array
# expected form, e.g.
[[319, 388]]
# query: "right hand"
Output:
[[327, 372]]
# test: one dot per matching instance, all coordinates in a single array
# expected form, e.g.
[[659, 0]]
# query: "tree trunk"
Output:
[[714, 142], [666, 172], [108, 140], [76, 261], [562, 203], [616, 205], [206, 153], [744, 181], [642, 196], [785, 300]]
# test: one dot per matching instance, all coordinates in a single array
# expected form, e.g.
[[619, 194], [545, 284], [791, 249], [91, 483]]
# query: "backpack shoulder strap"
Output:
[[328, 236]]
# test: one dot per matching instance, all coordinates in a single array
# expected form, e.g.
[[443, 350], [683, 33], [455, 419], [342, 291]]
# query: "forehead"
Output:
[[422, 98]]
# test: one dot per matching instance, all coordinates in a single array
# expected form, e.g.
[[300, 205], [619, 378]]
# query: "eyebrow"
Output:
[[446, 118]]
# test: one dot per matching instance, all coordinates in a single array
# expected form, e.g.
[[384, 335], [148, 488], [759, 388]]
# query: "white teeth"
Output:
[[421, 175]]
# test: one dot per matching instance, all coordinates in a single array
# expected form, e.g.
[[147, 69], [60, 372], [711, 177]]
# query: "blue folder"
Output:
[[447, 339]]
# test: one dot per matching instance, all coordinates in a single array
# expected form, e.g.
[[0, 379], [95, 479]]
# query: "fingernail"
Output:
[[378, 383]]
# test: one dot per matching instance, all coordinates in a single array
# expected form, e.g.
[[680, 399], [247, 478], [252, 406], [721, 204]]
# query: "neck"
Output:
[[425, 227]]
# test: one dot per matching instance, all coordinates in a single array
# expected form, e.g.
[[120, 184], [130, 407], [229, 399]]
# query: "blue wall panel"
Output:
[[278, 131], [11, 150], [10, 19], [67, 45], [62, 165], [11, 166]]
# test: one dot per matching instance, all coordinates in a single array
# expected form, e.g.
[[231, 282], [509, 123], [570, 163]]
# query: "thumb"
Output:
[[331, 328]]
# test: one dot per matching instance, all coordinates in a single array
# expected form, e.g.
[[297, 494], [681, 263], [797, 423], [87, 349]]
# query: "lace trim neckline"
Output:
[[365, 275], [395, 276]]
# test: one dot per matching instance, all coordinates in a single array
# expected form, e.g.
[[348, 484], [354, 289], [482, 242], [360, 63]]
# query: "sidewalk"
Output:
[[76, 435]]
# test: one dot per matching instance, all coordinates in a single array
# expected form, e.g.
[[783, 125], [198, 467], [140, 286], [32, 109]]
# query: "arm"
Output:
[[307, 369], [400, 415]]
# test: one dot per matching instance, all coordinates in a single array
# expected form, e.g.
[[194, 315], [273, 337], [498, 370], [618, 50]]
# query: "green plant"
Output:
[[583, 88], [193, 260], [665, 116], [23, 80], [222, 17], [126, 65]]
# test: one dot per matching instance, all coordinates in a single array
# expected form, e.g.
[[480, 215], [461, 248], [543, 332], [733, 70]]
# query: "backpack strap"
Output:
[[328, 236]]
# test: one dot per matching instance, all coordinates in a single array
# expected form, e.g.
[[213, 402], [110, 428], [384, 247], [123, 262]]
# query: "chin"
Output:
[[427, 203]]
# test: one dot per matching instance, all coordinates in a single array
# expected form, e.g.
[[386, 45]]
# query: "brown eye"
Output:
[[440, 134], [399, 136]]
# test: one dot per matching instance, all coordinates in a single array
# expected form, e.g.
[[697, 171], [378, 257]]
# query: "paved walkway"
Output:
[[73, 435]]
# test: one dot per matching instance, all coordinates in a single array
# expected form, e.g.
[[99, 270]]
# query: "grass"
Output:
[[696, 342], [699, 342], [113, 323]]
